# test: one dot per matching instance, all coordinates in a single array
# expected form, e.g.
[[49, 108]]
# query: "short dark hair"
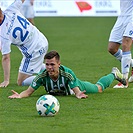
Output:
[[52, 54]]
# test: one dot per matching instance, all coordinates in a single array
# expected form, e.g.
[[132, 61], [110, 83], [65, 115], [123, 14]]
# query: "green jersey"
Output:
[[66, 81], [62, 86]]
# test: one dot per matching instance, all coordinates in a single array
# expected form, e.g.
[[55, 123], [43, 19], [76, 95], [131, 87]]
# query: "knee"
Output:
[[112, 50], [113, 47], [19, 83], [100, 90]]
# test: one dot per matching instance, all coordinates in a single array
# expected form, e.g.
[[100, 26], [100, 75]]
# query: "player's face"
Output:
[[52, 67]]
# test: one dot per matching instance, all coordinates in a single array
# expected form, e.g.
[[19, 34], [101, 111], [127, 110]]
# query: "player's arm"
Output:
[[23, 94], [6, 69], [79, 94]]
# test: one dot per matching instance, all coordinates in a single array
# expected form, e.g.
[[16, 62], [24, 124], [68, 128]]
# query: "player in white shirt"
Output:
[[27, 10], [17, 30], [122, 34]]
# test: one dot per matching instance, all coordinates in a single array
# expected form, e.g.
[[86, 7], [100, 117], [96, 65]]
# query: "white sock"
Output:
[[125, 63], [28, 81], [118, 55]]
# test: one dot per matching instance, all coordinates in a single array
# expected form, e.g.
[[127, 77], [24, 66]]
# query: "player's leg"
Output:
[[126, 48], [31, 20], [126, 56], [30, 14], [33, 65], [107, 80], [28, 68], [103, 82], [115, 40], [24, 79], [114, 49], [100, 86], [130, 80]]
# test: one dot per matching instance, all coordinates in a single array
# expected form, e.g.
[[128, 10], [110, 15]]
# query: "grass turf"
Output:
[[82, 44]]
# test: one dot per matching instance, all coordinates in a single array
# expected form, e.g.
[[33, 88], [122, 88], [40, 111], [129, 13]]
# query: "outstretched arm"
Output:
[[6, 69], [23, 94], [79, 94]]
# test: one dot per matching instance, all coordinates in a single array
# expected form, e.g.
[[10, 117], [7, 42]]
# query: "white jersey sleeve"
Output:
[[7, 25]]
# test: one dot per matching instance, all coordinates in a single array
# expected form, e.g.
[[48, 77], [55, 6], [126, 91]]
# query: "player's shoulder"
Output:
[[42, 73], [65, 69], [67, 72]]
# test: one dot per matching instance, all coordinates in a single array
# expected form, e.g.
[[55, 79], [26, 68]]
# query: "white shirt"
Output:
[[15, 29]]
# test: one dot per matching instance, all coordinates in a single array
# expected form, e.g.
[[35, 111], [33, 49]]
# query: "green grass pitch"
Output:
[[82, 43]]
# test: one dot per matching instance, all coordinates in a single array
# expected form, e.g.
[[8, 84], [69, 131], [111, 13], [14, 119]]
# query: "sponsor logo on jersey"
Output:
[[71, 82], [61, 85], [130, 32], [11, 25], [55, 86], [34, 84]]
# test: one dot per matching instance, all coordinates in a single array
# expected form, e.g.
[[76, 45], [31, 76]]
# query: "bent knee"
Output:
[[100, 90], [111, 50], [19, 83], [113, 47]]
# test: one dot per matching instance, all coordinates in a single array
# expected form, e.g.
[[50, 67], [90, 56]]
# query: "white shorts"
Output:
[[33, 64], [122, 27], [28, 11]]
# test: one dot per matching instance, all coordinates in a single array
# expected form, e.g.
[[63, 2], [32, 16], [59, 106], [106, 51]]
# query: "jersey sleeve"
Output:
[[73, 80], [5, 46], [37, 82]]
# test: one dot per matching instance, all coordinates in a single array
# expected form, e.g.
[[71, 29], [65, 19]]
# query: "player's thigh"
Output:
[[32, 65], [21, 77], [117, 31], [89, 87]]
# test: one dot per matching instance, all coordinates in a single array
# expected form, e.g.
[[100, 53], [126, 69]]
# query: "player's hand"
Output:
[[81, 95], [14, 95], [4, 84]]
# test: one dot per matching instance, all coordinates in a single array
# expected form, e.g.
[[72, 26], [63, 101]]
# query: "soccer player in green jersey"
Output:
[[60, 80]]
